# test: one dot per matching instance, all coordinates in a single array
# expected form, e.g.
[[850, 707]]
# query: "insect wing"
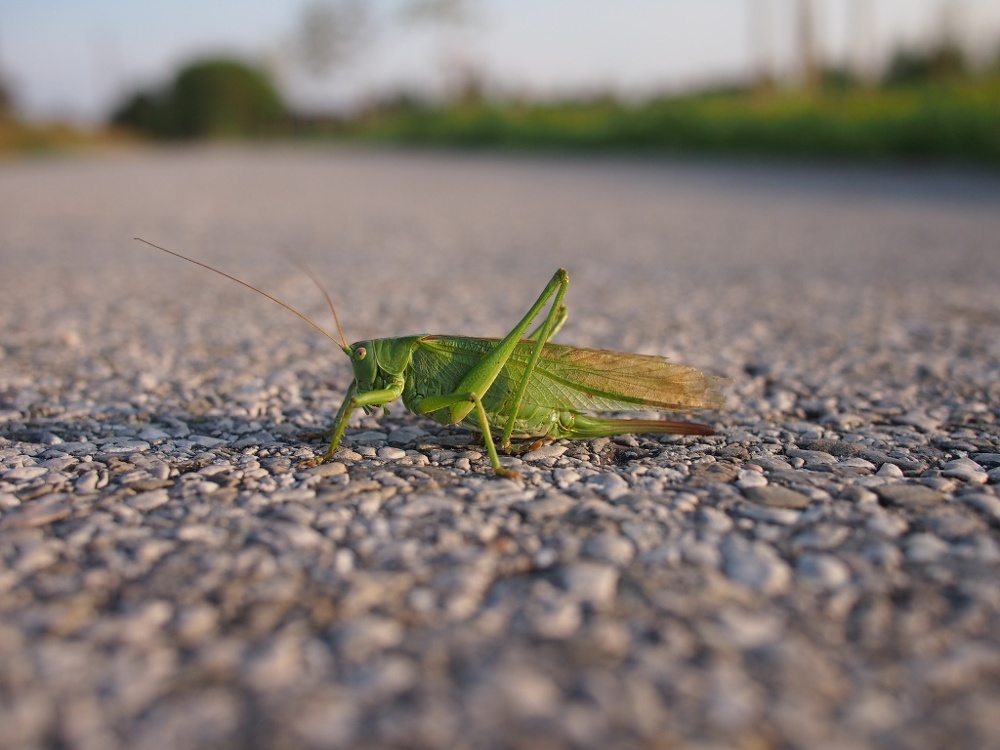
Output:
[[568, 377], [602, 380]]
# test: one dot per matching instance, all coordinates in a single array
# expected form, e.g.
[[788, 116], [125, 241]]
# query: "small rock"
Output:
[[747, 478], [35, 513], [406, 435], [755, 565], [924, 548], [612, 486], [206, 441], [126, 446], [825, 571], [965, 469], [765, 514], [776, 496], [565, 477], [813, 458], [890, 471], [25, 473], [713, 520], [153, 433], [331, 469], [365, 636], [918, 419], [147, 501], [824, 536], [909, 495], [886, 525], [615, 549], [549, 450], [988, 505], [856, 462], [590, 582], [390, 453]]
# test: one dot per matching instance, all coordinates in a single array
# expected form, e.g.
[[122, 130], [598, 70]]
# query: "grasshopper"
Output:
[[522, 385]]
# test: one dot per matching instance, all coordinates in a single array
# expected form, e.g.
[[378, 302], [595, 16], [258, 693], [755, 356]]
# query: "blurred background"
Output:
[[852, 78]]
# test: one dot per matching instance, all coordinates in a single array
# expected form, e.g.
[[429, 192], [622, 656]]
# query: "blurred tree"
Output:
[[142, 111], [6, 101], [945, 61], [462, 77], [217, 98], [810, 70], [330, 33], [864, 49], [761, 45]]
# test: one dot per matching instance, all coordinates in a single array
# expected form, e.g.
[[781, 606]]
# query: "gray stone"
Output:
[[965, 469], [924, 548], [909, 495], [825, 571], [776, 496], [755, 565], [612, 486], [590, 582], [147, 501], [35, 513]]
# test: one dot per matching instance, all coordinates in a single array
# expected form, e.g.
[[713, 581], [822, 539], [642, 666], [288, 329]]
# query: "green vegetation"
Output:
[[207, 99], [955, 120], [929, 106]]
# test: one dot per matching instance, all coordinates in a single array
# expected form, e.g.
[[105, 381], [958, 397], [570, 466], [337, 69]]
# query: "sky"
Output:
[[75, 59]]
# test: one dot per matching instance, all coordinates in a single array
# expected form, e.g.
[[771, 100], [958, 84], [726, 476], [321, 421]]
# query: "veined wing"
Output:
[[568, 377]]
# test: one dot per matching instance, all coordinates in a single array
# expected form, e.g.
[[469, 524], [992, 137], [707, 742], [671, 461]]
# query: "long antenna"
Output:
[[342, 344], [319, 285]]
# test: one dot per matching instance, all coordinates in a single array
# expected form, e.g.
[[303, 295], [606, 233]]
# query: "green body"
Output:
[[522, 385]]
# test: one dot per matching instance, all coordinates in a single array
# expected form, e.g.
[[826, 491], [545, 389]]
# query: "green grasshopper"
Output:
[[521, 385]]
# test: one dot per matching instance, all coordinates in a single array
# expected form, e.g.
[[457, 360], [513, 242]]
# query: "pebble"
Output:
[[918, 419], [988, 505], [965, 469], [611, 486], [25, 473], [812, 459], [125, 446], [615, 549], [755, 565], [825, 571], [746, 478], [911, 495], [590, 582], [147, 501], [329, 469], [924, 548], [776, 496], [780, 516], [890, 471], [36, 513]]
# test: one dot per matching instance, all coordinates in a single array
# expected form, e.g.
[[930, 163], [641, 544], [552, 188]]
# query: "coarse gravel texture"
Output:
[[823, 573]]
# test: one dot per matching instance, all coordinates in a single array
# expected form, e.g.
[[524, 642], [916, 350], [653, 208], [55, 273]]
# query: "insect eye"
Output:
[[360, 353]]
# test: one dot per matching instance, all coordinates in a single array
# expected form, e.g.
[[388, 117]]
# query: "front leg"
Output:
[[354, 400]]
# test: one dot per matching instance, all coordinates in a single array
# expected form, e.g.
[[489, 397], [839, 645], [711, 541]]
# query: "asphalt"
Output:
[[823, 572]]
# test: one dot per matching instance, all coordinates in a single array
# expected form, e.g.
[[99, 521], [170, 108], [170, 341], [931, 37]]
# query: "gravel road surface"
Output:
[[824, 572]]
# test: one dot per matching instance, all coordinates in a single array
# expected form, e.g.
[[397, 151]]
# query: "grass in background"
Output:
[[958, 121]]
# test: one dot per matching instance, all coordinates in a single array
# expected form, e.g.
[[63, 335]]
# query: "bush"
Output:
[[207, 99]]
